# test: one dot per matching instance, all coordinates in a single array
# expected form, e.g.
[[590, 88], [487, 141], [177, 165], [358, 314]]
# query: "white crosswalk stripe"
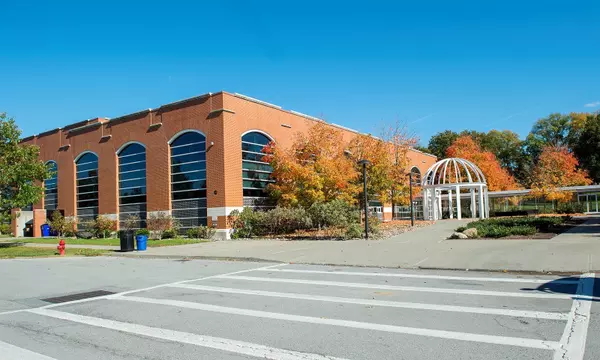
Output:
[[239, 347], [572, 343], [8, 351], [402, 288], [490, 339], [255, 296], [419, 276], [398, 304]]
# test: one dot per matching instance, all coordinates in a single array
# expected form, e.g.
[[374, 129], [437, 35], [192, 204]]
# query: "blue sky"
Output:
[[434, 64]]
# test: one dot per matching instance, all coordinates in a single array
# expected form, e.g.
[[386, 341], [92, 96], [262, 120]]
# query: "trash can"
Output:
[[126, 237], [45, 230], [28, 231], [140, 242]]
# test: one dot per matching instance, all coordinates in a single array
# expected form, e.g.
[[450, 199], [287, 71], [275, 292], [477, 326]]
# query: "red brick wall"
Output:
[[249, 116], [222, 117]]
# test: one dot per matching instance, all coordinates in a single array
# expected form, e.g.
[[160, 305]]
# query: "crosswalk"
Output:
[[288, 311]]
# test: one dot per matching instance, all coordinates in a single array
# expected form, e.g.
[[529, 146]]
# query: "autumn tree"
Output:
[[103, 225], [59, 224], [316, 168], [379, 155], [160, 222], [497, 177], [387, 173], [21, 170], [400, 141], [557, 167]]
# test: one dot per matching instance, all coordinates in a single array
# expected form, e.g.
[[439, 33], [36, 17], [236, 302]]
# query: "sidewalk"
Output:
[[427, 247]]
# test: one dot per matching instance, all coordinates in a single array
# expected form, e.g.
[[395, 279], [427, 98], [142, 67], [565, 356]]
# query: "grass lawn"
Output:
[[26, 251], [107, 241], [110, 242]]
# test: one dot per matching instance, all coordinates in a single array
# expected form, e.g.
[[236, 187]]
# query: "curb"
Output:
[[253, 259], [193, 257]]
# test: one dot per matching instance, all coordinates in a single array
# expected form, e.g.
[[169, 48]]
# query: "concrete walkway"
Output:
[[575, 251]]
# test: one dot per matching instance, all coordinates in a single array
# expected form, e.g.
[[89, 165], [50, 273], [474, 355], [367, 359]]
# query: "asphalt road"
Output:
[[168, 309]]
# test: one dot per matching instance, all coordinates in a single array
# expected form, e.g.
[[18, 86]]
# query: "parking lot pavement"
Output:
[[317, 312]]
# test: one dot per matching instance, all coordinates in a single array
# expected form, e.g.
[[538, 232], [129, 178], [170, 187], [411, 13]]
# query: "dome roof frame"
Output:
[[446, 181], [451, 172]]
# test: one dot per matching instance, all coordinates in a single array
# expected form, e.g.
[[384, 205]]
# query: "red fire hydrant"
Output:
[[61, 247]]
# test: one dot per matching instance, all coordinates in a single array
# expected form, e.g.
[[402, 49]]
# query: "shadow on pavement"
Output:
[[588, 229], [568, 285]]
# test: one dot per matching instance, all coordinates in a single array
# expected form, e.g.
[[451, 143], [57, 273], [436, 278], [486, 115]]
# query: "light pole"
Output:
[[364, 164], [412, 206]]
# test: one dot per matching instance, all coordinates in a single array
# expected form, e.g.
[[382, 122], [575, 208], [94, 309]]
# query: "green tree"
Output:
[[587, 148], [510, 152], [477, 136], [578, 121], [549, 131], [21, 170], [57, 223], [440, 142], [62, 226]]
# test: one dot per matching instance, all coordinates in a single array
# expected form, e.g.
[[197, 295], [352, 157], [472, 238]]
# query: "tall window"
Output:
[[132, 184], [256, 172], [416, 176], [87, 187], [51, 187], [188, 180]]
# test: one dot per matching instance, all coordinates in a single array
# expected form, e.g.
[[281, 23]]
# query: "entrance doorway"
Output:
[[589, 201]]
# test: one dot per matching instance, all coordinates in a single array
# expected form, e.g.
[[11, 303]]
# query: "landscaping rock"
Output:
[[471, 233], [458, 235], [84, 235]]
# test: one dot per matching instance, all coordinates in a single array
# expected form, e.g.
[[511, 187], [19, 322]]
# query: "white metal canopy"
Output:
[[451, 177]]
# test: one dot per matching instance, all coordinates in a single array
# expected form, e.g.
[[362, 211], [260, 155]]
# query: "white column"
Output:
[[487, 203], [450, 204], [473, 204], [438, 199], [481, 204], [458, 210], [425, 199]]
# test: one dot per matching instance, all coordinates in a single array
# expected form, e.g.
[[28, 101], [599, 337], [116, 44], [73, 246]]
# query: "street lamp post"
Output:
[[364, 164], [412, 205]]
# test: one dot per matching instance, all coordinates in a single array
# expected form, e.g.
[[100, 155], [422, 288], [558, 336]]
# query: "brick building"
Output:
[[197, 159]]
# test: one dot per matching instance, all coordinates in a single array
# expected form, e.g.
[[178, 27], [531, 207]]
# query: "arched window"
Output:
[[188, 180], [132, 183], [87, 187], [256, 173], [416, 176], [51, 187]]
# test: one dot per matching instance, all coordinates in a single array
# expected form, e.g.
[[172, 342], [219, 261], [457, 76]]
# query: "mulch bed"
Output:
[[536, 236], [540, 235], [388, 229]]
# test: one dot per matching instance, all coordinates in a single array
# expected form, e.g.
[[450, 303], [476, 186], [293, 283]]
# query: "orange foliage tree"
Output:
[[498, 178], [401, 142], [557, 167], [387, 174], [316, 168]]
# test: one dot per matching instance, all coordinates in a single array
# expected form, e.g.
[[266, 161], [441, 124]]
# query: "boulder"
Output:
[[471, 233], [458, 235], [84, 235]]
